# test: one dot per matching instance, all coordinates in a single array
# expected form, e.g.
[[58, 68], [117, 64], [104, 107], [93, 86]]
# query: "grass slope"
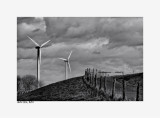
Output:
[[75, 89], [71, 89]]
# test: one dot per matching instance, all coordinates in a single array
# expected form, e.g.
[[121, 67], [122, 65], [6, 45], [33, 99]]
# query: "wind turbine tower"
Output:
[[67, 64], [38, 47]]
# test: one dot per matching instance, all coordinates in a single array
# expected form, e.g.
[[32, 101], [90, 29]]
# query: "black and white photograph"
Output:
[[79, 58]]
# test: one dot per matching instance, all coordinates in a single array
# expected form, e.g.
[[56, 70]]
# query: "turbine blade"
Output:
[[62, 59], [69, 66], [45, 43], [69, 55], [33, 41]]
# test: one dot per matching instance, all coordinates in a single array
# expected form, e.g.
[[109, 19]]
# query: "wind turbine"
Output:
[[67, 63], [38, 47]]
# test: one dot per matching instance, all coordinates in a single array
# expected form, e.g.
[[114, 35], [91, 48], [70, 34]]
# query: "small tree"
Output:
[[18, 83], [29, 82]]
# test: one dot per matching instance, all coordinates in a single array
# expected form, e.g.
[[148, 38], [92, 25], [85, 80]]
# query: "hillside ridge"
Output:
[[73, 89]]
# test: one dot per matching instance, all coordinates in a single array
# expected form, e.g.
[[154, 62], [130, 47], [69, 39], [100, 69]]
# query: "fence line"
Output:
[[97, 80]]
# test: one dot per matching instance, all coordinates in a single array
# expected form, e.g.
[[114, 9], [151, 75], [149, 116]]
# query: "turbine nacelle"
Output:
[[37, 47], [65, 60]]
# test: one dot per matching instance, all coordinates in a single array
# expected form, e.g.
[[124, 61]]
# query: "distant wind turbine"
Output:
[[38, 47], [67, 63]]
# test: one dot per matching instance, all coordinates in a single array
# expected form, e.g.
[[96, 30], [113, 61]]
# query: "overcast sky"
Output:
[[109, 44]]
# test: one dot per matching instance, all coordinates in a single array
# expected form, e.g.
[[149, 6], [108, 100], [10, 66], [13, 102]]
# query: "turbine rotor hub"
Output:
[[37, 47], [65, 60]]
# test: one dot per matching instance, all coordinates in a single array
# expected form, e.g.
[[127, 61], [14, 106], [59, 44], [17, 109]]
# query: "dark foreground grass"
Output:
[[75, 89], [69, 90]]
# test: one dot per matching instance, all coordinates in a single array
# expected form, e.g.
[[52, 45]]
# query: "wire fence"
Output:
[[122, 84]]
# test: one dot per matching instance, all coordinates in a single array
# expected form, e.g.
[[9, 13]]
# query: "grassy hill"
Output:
[[71, 89], [75, 89]]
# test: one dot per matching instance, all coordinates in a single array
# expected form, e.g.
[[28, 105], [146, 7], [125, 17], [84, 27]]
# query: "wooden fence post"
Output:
[[100, 83], [95, 79], [123, 84], [137, 94], [104, 83], [89, 75], [113, 88]]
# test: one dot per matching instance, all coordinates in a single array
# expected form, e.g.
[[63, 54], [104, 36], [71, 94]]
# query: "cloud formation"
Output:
[[104, 43]]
